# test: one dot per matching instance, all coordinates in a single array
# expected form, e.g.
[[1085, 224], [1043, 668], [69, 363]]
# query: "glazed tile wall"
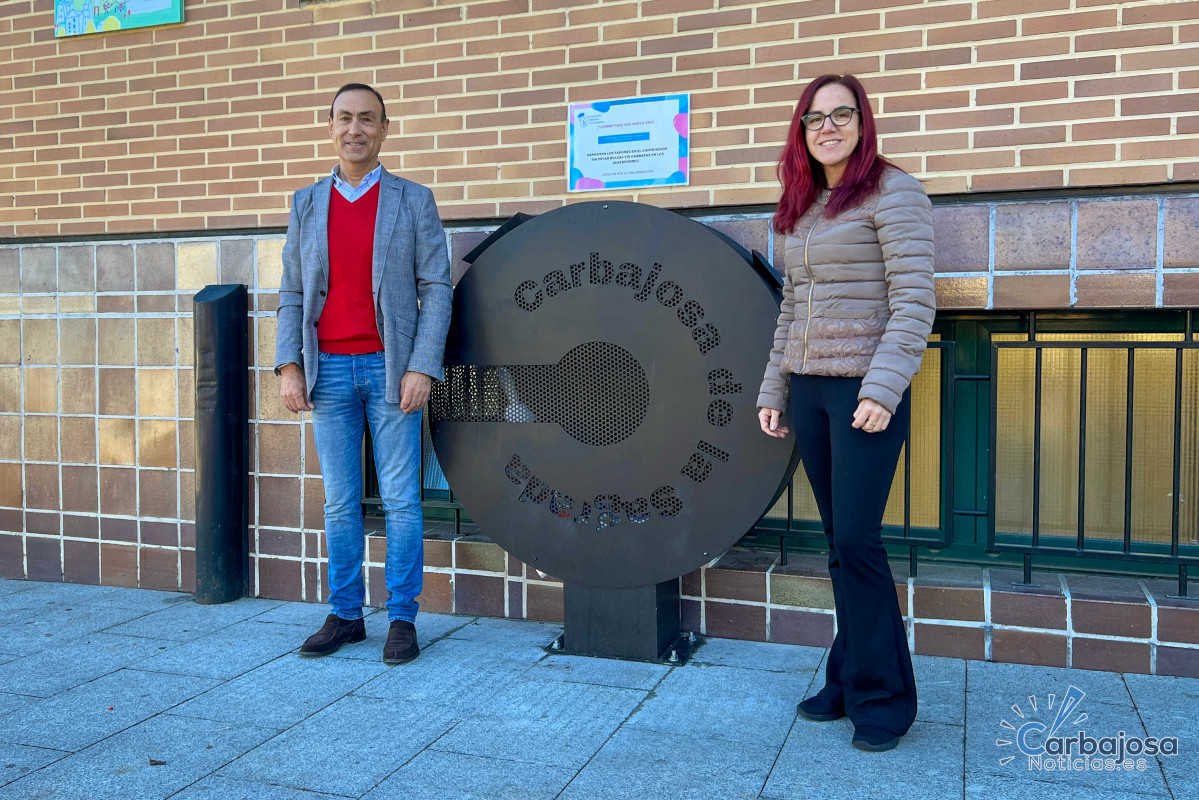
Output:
[[1083, 253], [1086, 622], [1080, 621], [97, 457]]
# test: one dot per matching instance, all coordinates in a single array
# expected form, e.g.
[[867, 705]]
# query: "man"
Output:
[[364, 308]]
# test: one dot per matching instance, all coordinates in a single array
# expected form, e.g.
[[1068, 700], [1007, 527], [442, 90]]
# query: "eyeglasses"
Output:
[[840, 117]]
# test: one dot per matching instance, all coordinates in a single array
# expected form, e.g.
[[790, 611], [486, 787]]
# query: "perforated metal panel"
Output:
[[598, 414], [597, 393]]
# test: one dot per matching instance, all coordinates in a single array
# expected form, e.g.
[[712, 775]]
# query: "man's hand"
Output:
[[768, 418], [293, 389], [871, 417], [414, 391]]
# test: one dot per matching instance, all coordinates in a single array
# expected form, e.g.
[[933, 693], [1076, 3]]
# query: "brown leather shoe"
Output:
[[401, 644], [332, 635]]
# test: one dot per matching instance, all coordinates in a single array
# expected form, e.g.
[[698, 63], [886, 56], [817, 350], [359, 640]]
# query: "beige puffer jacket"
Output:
[[858, 297]]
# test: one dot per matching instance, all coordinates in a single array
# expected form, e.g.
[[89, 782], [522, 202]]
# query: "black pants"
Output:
[[869, 667]]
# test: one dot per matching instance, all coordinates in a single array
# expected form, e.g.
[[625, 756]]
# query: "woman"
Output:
[[857, 309]]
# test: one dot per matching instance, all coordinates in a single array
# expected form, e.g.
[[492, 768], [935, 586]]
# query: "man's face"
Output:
[[358, 128]]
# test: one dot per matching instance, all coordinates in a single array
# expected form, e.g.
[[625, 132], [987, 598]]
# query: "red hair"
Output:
[[802, 175]]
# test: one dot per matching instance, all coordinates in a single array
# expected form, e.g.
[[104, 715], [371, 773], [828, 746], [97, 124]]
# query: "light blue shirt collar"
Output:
[[352, 193]]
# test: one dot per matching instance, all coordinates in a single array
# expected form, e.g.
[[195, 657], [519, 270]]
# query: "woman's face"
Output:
[[831, 145]]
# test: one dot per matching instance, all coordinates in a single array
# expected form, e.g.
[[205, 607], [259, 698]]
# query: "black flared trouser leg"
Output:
[[869, 667]]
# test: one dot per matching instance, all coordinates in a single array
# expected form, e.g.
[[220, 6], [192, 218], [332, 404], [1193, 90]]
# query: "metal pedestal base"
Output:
[[640, 624]]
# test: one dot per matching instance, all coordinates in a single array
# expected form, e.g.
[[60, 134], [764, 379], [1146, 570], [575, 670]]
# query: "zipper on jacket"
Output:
[[811, 286]]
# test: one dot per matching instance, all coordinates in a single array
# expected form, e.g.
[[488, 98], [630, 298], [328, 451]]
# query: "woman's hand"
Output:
[[871, 417], [769, 420]]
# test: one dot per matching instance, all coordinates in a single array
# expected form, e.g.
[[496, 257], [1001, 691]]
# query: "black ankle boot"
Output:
[[817, 709], [874, 740]]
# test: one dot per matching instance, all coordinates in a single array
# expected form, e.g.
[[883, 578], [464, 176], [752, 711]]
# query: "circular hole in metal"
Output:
[[603, 394]]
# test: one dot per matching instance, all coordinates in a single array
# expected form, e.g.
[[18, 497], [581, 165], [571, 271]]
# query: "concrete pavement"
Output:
[[141, 695]]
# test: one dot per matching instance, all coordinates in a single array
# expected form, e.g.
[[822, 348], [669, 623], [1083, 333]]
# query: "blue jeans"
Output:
[[348, 395]]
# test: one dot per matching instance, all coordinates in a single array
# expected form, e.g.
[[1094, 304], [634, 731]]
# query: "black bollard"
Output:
[[222, 444]]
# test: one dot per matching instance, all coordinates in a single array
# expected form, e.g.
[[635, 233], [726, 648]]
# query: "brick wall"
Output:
[[213, 123]]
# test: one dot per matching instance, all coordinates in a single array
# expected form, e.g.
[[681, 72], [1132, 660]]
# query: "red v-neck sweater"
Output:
[[347, 322]]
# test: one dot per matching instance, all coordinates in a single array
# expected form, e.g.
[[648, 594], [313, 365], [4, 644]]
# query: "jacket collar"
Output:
[[320, 214], [391, 189]]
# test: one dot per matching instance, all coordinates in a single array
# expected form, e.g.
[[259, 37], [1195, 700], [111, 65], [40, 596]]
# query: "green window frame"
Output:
[[965, 460]]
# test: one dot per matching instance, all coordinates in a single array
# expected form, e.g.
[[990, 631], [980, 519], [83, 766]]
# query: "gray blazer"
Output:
[[411, 280]]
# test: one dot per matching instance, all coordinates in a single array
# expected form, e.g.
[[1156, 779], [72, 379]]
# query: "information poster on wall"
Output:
[[77, 17], [627, 144]]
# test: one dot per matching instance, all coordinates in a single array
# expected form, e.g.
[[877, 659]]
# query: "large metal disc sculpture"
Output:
[[598, 414]]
